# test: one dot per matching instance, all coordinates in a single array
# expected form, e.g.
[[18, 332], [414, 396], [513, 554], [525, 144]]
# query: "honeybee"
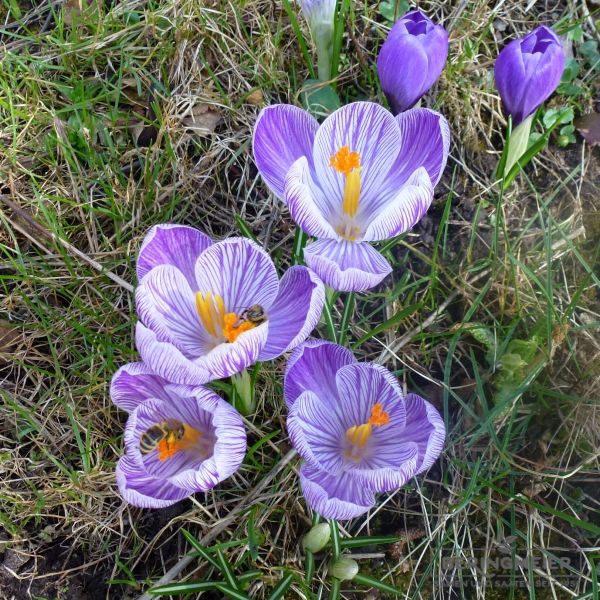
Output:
[[254, 314], [169, 430]]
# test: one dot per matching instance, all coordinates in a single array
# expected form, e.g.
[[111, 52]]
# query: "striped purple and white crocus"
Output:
[[356, 432], [179, 439], [193, 299], [361, 176]]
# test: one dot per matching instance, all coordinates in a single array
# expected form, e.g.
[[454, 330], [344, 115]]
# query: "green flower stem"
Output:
[[243, 393]]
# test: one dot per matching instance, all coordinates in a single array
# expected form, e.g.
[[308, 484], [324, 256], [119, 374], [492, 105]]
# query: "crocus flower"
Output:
[[411, 59], [356, 431], [203, 440], [209, 310], [362, 176], [528, 70], [320, 16]]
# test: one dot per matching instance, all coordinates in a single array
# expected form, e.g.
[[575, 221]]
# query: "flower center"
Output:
[[358, 435], [347, 161], [218, 323], [173, 441]]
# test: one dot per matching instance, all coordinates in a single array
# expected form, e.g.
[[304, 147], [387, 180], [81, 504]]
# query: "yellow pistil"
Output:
[[347, 161], [170, 445], [358, 435], [211, 310]]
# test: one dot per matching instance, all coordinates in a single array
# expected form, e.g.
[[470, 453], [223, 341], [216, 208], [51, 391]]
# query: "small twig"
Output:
[[43, 232], [222, 525]]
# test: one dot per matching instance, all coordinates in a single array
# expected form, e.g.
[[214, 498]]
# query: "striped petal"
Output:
[[424, 427], [175, 245], [339, 497], [282, 134], [403, 211], [134, 383], [295, 312], [346, 266], [166, 304], [366, 128], [240, 271], [305, 202], [312, 367]]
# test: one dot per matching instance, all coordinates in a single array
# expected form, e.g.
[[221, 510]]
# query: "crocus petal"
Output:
[[346, 266], [335, 496], [312, 367], [360, 386], [425, 142], [316, 433], [176, 245], [305, 202], [230, 447], [166, 304], [140, 489], [404, 211], [366, 128], [384, 478], [166, 360], [134, 383], [282, 134], [295, 312], [240, 271], [425, 427]]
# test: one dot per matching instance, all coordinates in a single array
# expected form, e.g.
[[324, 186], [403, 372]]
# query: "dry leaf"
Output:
[[589, 127], [203, 119], [9, 335], [256, 98]]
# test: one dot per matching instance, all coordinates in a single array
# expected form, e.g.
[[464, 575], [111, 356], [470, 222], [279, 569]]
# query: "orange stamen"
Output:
[[345, 161], [230, 330], [378, 416], [170, 445]]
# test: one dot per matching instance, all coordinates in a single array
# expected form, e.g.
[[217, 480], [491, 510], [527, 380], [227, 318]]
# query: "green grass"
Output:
[[485, 276]]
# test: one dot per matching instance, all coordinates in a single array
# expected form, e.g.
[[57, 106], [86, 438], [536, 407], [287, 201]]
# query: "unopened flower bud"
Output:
[[344, 569], [316, 539]]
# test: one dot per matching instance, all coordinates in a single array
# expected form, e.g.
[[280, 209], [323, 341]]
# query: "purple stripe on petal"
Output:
[[176, 245], [404, 210], [346, 266], [140, 489], [361, 386], [425, 427], [166, 304], [316, 433], [229, 358], [425, 142], [282, 134], [166, 360], [404, 456], [334, 496], [312, 367], [240, 271], [230, 447], [134, 383], [366, 128], [303, 202], [295, 312]]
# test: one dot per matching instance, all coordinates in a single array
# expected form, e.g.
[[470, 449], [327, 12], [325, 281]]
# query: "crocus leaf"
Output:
[[319, 99]]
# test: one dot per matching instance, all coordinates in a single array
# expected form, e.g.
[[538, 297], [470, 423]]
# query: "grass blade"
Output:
[[282, 587]]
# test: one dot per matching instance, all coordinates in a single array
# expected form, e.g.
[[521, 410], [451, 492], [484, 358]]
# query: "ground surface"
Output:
[[118, 115]]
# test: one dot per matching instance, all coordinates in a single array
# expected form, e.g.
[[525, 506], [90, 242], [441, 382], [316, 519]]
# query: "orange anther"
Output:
[[378, 416], [170, 445], [345, 161], [230, 330]]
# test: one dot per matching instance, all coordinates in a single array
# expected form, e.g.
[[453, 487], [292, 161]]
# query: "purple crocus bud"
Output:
[[354, 428], [209, 310], [363, 175], [528, 70], [178, 439], [411, 59]]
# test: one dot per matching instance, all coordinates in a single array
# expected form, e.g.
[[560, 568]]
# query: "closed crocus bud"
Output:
[[320, 15], [316, 539], [344, 569], [527, 71], [411, 59]]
